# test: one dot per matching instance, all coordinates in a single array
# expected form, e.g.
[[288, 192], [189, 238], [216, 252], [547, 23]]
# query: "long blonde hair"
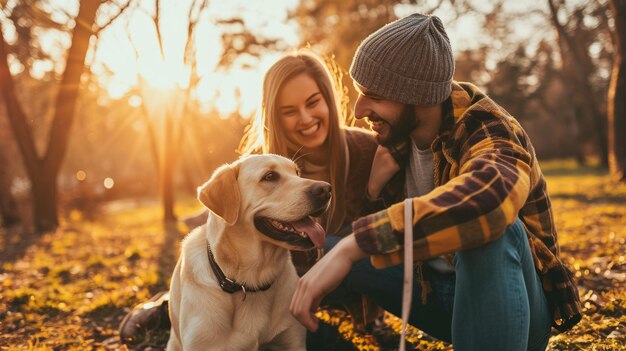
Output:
[[265, 133]]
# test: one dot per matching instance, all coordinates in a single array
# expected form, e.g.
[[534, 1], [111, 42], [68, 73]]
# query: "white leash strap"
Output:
[[407, 292]]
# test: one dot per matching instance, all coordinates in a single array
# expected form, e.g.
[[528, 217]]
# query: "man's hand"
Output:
[[384, 167], [323, 278]]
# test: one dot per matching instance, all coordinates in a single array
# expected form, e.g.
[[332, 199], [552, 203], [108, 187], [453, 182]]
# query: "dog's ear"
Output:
[[221, 193]]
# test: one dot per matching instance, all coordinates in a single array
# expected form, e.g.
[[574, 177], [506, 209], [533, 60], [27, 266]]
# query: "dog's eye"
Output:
[[270, 176]]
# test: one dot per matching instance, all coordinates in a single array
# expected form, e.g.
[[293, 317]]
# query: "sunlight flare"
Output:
[[163, 75]]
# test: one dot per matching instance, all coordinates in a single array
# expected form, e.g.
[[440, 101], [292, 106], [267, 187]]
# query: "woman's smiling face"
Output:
[[303, 112]]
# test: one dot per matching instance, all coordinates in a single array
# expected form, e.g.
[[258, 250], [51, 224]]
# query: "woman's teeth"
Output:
[[310, 130]]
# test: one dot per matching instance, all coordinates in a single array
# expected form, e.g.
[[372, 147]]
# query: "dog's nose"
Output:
[[320, 191]]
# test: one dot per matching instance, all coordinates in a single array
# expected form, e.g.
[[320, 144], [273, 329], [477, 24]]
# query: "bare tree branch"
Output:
[[155, 18], [44, 18], [190, 59], [116, 16], [434, 8]]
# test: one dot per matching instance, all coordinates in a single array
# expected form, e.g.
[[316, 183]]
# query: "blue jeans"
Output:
[[493, 301]]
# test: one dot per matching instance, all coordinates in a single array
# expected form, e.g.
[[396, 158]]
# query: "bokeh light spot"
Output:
[[108, 183], [81, 175]]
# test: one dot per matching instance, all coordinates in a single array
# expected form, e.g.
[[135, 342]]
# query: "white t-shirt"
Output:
[[420, 180]]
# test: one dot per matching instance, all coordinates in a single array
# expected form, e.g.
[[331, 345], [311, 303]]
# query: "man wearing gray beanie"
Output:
[[485, 247]]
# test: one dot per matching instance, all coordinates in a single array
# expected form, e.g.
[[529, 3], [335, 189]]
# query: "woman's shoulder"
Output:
[[361, 147], [359, 137]]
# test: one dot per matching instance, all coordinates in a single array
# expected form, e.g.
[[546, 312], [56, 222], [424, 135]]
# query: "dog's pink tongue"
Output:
[[313, 230]]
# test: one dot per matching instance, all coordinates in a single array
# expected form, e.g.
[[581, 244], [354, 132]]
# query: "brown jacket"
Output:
[[361, 149]]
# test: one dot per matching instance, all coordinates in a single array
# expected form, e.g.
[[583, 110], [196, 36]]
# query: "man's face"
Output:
[[391, 121]]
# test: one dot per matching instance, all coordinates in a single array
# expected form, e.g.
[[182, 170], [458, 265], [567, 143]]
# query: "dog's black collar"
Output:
[[227, 284]]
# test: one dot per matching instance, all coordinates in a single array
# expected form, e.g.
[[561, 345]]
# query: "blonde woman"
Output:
[[300, 118]]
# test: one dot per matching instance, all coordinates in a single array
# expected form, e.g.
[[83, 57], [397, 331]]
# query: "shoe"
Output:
[[145, 319]]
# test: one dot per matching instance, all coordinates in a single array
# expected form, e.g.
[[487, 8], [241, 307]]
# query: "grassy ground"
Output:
[[68, 290]]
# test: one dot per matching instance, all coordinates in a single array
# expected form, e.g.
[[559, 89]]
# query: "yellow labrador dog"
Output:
[[234, 279]]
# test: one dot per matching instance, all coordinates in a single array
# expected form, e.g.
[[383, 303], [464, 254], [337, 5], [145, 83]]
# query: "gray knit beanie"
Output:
[[409, 60]]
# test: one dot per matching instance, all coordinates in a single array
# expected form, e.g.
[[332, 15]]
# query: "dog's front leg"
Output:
[[292, 338], [173, 344], [210, 336]]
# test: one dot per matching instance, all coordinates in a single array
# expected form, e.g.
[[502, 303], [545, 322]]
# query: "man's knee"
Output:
[[500, 251]]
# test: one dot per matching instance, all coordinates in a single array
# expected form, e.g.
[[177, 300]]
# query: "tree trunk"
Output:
[[167, 172], [617, 95], [9, 214], [43, 172], [44, 191], [601, 123]]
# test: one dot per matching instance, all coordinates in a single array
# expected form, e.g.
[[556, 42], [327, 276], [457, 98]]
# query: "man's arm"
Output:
[[384, 166], [468, 211]]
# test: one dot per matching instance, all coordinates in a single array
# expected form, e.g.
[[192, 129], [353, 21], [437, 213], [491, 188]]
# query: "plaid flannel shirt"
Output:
[[486, 176]]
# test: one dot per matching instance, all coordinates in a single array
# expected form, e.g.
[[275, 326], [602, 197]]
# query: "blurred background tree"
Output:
[[9, 214], [617, 94], [581, 28], [550, 63], [43, 170], [554, 78]]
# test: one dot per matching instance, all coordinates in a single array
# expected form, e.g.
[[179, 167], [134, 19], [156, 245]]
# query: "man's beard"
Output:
[[401, 129]]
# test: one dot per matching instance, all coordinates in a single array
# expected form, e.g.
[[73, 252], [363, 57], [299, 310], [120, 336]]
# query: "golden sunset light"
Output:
[[312, 175], [131, 52]]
